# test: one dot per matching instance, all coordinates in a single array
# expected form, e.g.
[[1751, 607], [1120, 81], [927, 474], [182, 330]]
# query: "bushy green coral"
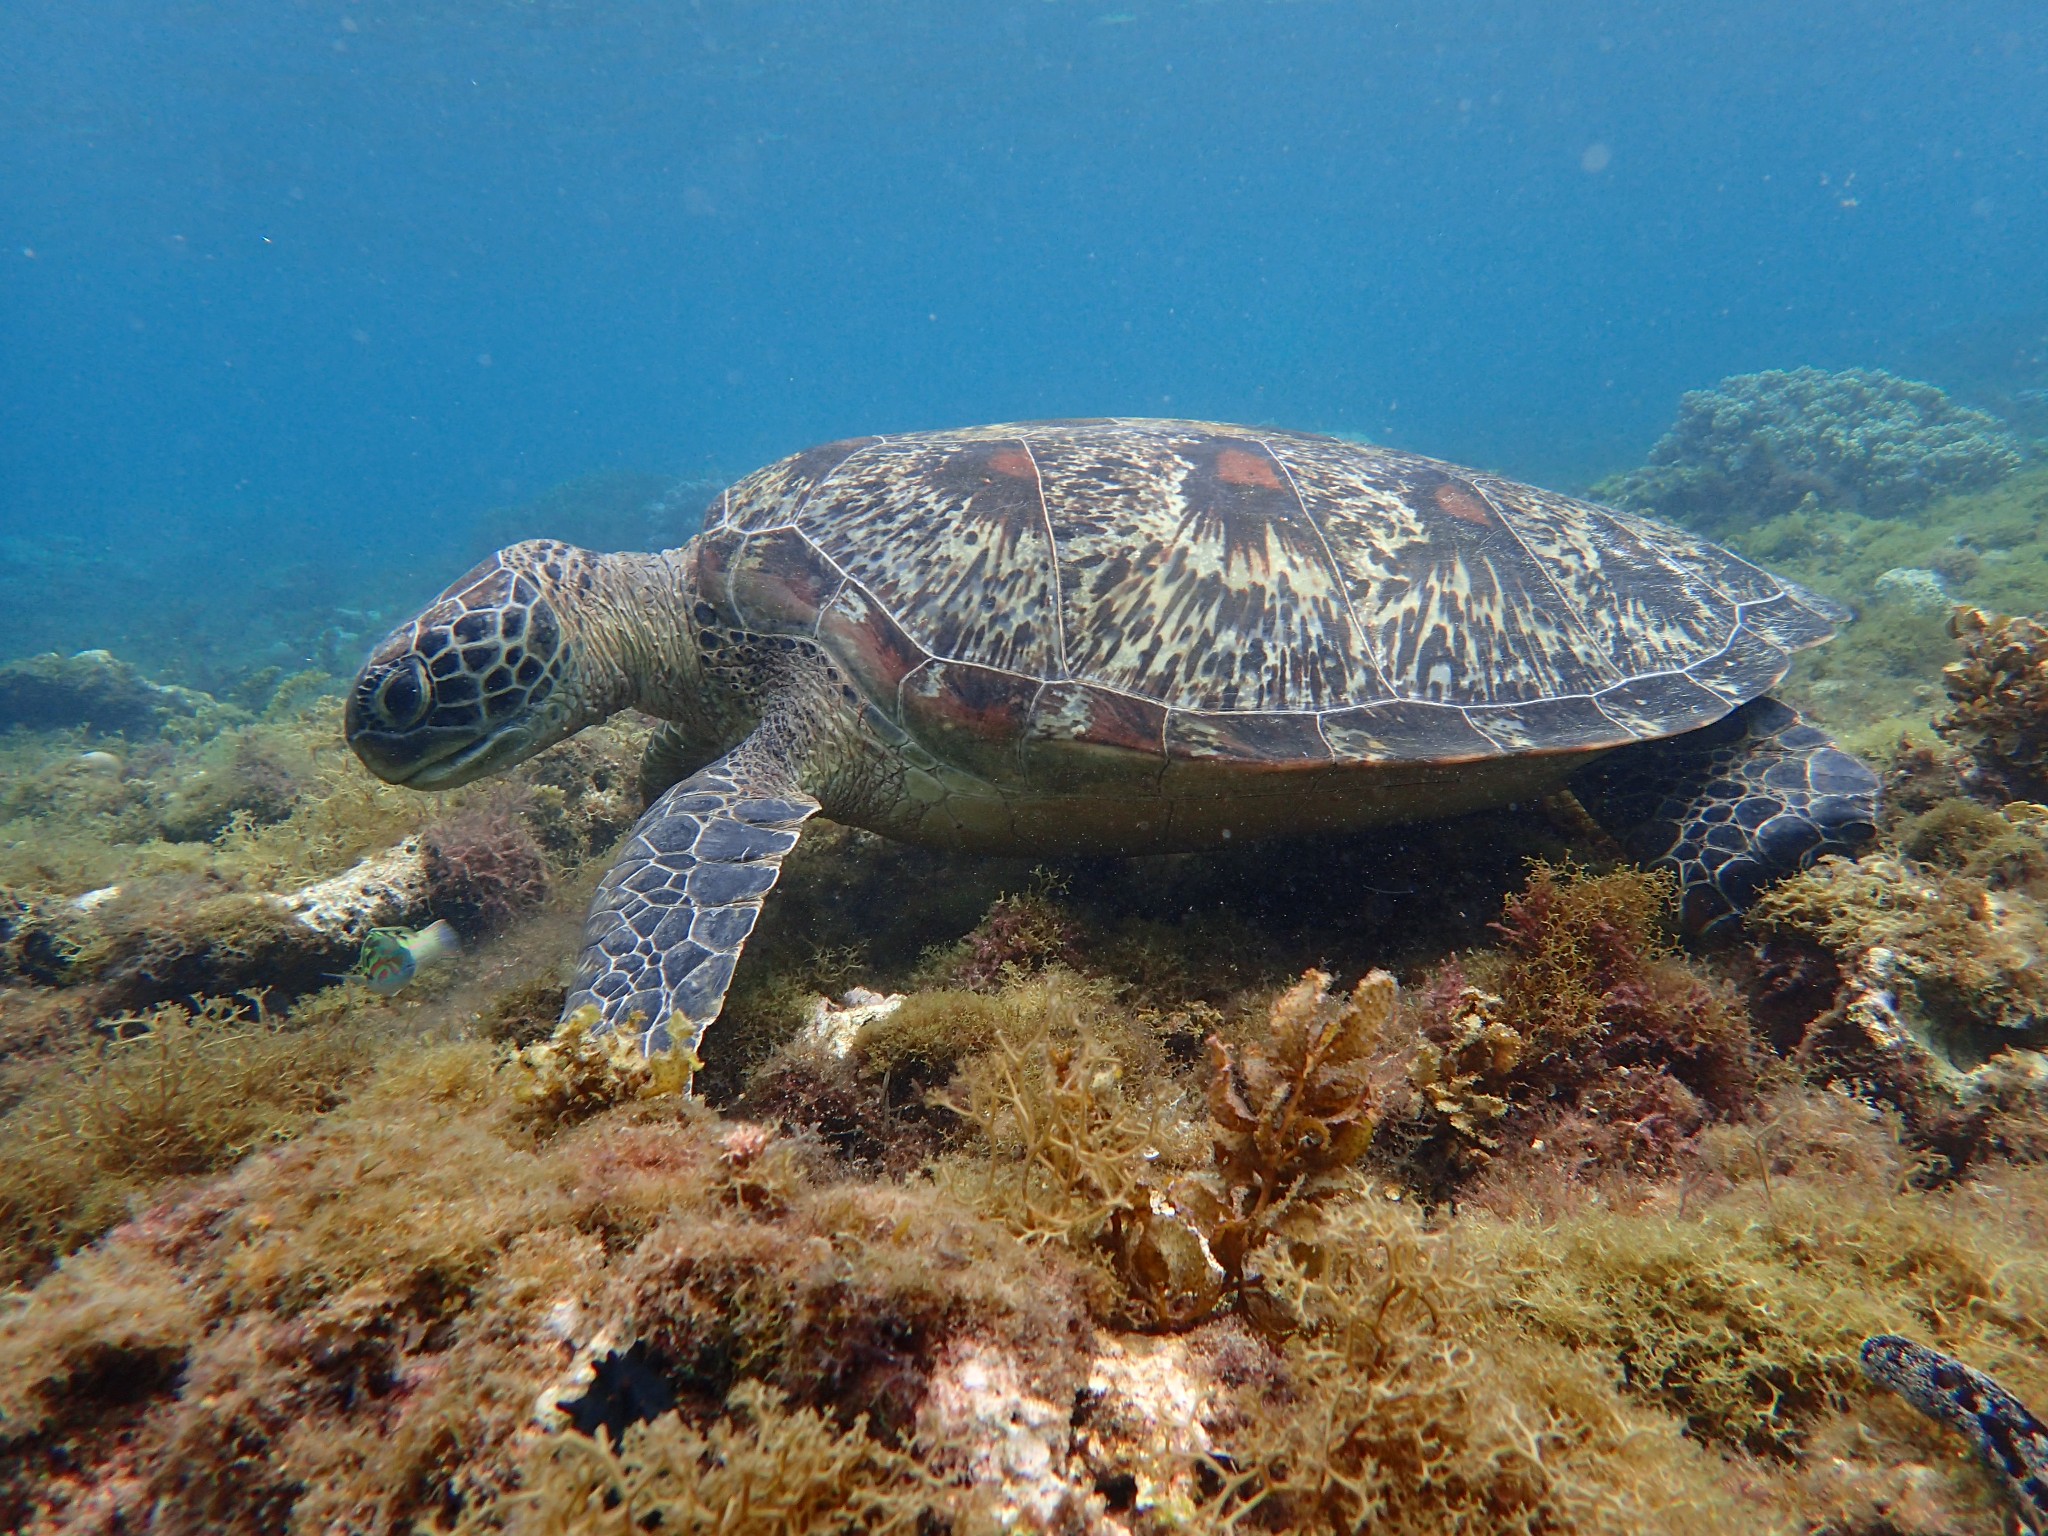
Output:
[[97, 689], [1761, 444]]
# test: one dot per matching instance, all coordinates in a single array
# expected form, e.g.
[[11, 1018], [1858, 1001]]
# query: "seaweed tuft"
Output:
[[1999, 693], [170, 1093], [577, 1073], [762, 1468], [484, 869]]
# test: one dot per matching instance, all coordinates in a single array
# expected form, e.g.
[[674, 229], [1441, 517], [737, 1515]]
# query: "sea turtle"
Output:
[[1117, 636]]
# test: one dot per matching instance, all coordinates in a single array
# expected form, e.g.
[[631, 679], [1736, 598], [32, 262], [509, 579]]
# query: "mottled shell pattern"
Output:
[[1192, 590]]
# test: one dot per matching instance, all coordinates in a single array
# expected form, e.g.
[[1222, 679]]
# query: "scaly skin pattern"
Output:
[[1734, 805], [2011, 1441], [1093, 637], [672, 913]]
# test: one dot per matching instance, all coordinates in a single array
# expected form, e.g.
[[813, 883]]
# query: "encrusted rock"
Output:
[[1919, 589], [93, 688], [2000, 693], [1877, 1002], [831, 1028], [383, 890], [1011, 1442]]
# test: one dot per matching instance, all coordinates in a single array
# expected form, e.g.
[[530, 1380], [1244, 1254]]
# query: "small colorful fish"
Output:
[[391, 957]]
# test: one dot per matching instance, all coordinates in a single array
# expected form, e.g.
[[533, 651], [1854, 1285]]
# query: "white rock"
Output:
[[1013, 1442], [386, 889], [1921, 590], [830, 1028]]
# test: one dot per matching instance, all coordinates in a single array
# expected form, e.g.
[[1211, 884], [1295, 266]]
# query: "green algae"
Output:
[[1881, 678]]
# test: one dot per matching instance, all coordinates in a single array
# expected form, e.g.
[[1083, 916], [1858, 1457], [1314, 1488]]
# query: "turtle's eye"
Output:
[[402, 696]]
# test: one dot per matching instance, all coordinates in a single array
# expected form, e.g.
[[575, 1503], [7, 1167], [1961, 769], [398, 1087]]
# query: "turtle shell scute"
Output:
[[1190, 589]]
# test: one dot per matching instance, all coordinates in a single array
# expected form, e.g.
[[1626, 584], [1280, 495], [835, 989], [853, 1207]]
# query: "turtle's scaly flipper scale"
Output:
[[1733, 806], [670, 917]]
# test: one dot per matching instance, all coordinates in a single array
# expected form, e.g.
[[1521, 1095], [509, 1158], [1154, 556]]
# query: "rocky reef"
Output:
[[1418, 1182], [1763, 444]]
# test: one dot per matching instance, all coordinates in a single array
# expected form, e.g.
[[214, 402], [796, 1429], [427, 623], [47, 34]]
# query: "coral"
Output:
[[483, 870], [1915, 587], [1464, 1079], [1938, 1006], [1969, 958], [1999, 690], [94, 688], [1759, 445], [1539, 1243]]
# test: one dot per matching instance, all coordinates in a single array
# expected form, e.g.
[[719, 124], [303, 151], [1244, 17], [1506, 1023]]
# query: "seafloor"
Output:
[[1147, 1207]]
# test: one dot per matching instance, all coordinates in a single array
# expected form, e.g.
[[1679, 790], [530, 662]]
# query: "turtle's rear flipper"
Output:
[[670, 916], [1733, 806]]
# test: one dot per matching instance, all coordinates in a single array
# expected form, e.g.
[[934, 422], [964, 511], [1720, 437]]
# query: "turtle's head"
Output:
[[501, 665]]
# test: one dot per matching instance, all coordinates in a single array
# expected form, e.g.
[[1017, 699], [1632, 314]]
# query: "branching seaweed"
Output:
[[764, 1469]]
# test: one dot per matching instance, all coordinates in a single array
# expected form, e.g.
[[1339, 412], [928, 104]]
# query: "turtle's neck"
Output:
[[635, 625]]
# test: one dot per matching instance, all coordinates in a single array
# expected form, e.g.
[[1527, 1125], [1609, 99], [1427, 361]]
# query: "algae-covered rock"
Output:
[[386, 889], [43, 942], [93, 688], [1941, 1008], [1917, 587], [1757, 445], [2000, 692]]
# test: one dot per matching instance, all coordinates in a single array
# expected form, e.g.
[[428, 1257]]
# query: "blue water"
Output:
[[288, 282]]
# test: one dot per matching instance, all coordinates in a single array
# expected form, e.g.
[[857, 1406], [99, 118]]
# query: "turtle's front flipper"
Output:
[[1733, 806], [671, 915]]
